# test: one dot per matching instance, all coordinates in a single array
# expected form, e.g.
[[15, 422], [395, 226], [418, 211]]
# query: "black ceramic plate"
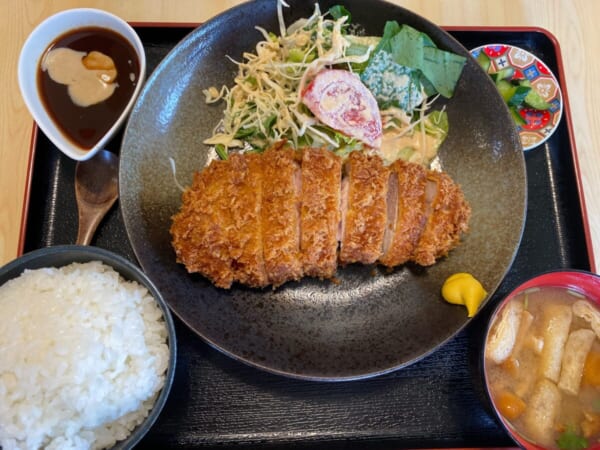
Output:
[[371, 322]]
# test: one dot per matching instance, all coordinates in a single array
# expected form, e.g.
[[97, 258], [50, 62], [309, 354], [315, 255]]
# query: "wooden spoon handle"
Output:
[[90, 217], [88, 223]]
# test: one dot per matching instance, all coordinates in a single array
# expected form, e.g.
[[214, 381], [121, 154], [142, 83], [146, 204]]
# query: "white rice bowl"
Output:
[[83, 356]]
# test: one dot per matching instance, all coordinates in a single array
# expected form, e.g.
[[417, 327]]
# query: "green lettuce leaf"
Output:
[[391, 29], [440, 70], [339, 11], [436, 123]]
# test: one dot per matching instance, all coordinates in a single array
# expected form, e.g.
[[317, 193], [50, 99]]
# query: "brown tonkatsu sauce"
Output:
[[85, 126]]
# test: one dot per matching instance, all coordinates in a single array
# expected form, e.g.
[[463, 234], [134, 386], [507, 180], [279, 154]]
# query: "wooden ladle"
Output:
[[96, 190]]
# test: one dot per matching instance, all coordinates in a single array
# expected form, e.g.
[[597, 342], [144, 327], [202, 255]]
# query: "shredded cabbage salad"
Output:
[[265, 103]]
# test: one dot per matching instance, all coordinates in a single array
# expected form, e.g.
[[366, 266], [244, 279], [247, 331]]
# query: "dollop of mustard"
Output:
[[464, 289]]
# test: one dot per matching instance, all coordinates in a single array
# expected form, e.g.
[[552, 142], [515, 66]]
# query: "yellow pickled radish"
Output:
[[464, 289]]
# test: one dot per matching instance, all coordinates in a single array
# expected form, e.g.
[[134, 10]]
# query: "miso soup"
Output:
[[542, 365]]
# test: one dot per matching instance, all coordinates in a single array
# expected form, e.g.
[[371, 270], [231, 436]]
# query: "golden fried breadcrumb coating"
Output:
[[267, 218], [366, 215], [320, 211]]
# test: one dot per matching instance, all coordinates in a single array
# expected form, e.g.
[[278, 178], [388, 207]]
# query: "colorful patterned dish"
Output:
[[540, 124]]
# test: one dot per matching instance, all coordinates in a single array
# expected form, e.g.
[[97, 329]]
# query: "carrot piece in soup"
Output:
[[511, 365], [591, 369], [510, 405]]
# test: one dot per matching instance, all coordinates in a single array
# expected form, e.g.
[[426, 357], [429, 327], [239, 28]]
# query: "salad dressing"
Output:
[[412, 147]]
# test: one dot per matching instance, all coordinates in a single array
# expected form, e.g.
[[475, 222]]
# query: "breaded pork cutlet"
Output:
[[200, 230], [246, 233], [265, 219], [447, 218], [364, 209], [320, 211], [281, 215], [406, 212]]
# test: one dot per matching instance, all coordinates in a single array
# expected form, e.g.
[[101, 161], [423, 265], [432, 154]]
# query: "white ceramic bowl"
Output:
[[29, 61]]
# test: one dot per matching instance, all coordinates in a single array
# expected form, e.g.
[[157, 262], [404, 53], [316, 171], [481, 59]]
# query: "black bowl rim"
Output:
[[66, 254]]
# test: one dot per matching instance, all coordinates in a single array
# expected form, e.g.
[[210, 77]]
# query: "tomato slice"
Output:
[[340, 100]]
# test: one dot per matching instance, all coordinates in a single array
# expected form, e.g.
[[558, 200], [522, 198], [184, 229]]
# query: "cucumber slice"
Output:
[[506, 89], [536, 101], [484, 61], [525, 82], [505, 74], [514, 112], [519, 95]]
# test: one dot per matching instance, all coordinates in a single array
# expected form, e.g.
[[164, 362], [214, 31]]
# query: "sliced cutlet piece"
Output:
[[447, 219], [200, 230], [406, 212], [247, 235], [365, 215], [320, 211], [280, 215], [393, 208]]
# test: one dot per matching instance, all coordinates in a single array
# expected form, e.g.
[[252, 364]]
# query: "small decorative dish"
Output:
[[535, 124]]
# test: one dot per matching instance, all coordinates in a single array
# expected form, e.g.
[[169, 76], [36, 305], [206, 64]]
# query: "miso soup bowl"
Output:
[[582, 282], [32, 53]]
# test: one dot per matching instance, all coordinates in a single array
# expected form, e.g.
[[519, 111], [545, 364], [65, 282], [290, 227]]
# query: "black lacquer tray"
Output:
[[439, 401]]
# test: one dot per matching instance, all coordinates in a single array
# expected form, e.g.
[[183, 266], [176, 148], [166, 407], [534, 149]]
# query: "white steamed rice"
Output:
[[83, 355]]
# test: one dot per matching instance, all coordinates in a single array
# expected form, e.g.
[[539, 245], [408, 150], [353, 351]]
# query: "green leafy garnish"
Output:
[[436, 123], [345, 144], [245, 132], [338, 11], [406, 62], [439, 69], [570, 440], [221, 151], [269, 123], [390, 29], [299, 56]]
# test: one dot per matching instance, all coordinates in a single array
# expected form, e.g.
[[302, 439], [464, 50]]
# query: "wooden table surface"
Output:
[[573, 22]]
